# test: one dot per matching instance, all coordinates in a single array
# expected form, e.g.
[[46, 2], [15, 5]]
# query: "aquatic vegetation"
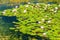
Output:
[[37, 19]]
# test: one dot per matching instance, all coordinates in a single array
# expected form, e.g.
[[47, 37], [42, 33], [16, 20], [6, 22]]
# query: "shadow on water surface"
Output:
[[9, 19], [28, 37], [5, 24]]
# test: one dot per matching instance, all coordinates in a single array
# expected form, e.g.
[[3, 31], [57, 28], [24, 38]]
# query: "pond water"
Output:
[[4, 6]]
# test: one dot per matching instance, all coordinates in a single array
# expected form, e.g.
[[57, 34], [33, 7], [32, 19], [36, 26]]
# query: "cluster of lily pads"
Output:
[[37, 19]]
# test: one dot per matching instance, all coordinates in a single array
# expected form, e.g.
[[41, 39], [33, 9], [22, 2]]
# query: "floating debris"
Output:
[[3, 12], [56, 8], [44, 34], [14, 10], [27, 5], [41, 27], [16, 6], [49, 21], [48, 4], [25, 11]]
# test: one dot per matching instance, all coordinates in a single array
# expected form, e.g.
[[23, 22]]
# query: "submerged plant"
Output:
[[37, 19]]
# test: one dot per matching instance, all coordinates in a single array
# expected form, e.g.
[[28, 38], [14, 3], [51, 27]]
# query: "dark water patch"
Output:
[[4, 7], [51, 2], [9, 19], [7, 6], [4, 27]]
